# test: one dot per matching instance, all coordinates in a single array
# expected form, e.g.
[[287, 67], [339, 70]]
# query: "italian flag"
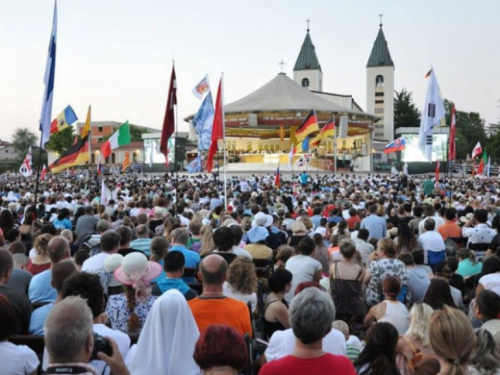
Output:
[[484, 161], [120, 138]]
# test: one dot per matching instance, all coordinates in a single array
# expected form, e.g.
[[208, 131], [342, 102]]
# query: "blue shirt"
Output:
[[40, 289], [38, 318], [303, 178], [63, 224], [376, 225], [142, 244], [192, 259]]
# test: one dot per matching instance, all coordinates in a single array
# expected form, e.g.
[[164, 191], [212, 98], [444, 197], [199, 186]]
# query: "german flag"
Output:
[[126, 162], [309, 126], [328, 131], [75, 155]]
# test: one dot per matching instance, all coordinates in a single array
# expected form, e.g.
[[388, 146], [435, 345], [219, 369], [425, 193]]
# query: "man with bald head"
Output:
[[19, 302], [41, 289], [212, 307]]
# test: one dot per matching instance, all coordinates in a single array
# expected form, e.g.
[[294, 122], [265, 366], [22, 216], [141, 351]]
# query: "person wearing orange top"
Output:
[[212, 307], [450, 228], [353, 219]]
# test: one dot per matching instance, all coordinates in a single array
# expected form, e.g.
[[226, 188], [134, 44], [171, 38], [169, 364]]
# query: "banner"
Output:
[[202, 88]]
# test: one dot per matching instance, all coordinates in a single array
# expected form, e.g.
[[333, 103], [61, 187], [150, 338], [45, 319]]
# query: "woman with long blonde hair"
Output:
[[207, 241], [453, 341]]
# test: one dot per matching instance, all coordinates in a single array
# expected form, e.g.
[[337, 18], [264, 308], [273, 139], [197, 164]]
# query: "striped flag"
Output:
[[309, 126], [126, 162], [50, 72]]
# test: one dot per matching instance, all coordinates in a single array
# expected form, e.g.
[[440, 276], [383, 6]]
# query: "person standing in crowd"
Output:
[[377, 226]]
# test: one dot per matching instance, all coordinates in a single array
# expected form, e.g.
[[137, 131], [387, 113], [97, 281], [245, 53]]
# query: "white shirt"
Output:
[[365, 249], [491, 282], [17, 359], [437, 219], [282, 343], [95, 263], [431, 241], [481, 233], [241, 252], [228, 291], [303, 268]]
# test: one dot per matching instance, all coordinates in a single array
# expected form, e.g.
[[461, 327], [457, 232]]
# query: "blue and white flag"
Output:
[[433, 114], [50, 72], [203, 121], [195, 165]]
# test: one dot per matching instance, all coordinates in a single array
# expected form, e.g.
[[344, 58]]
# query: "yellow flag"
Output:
[[86, 129], [126, 162]]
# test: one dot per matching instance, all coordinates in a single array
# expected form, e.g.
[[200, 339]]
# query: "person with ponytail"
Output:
[[127, 312], [453, 341], [379, 355]]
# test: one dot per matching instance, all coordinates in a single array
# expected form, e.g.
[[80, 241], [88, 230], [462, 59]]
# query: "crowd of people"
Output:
[[331, 274]]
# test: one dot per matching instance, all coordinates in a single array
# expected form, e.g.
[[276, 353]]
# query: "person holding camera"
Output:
[[71, 343]]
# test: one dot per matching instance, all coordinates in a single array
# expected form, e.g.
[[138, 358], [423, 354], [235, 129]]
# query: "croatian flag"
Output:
[[396, 145], [50, 72]]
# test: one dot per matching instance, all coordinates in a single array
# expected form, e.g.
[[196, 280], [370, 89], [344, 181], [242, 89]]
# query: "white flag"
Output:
[[202, 88], [478, 151], [25, 168], [104, 193], [433, 114], [151, 154]]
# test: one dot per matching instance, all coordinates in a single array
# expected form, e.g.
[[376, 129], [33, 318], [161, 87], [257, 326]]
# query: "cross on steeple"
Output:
[[281, 64], [308, 20], [381, 16]]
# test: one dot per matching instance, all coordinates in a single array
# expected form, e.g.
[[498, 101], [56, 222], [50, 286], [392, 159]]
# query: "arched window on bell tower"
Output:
[[379, 81], [305, 82]]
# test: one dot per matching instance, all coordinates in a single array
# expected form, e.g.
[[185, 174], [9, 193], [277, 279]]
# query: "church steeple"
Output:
[[380, 55], [307, 59], [307, 70]]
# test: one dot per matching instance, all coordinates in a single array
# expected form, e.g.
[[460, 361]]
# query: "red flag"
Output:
[[217, 129], [436, 184], [169, 120], [452, 148], [480, 169], [44, 172], [277, 178]]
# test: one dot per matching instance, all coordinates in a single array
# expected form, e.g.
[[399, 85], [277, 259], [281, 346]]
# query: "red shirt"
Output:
[[351, 221], [35, 269], [327, 364]]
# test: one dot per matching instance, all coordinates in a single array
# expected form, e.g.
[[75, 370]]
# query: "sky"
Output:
[[117, 54]]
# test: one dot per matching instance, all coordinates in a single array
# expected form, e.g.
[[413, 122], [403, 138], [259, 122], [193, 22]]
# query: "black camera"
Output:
[[101, 345]]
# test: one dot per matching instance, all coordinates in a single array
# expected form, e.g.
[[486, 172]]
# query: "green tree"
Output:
[[23, 139], [135, 133], [61, 141], [470, 127], [406, 113]]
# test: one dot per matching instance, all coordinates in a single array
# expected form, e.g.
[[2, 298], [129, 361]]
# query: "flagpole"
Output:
[[37, 179], [335, 150], [224, 140]]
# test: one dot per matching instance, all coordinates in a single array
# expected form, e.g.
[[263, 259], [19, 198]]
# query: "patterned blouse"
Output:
[[118, 312], [379, 271]]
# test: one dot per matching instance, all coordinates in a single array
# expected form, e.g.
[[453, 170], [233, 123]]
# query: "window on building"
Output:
[[379, 94], [99, 140], [379, 110], [379, 134], [113, 158], [379, 126], [99, 129], [379, 102], [379, 81], [305, 82], [6, 151]]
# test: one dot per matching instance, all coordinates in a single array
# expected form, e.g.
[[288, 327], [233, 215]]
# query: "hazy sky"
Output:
[[117, 54]]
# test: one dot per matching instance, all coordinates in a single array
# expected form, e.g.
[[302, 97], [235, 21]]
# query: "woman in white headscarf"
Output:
[[167, 341]]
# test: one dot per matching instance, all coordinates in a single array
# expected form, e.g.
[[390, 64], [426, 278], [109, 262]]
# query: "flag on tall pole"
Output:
[[151, 154], [50, 72], [202, 88], [277, 178], [433, 115], [65, 119], [169, 120], [86, 128], [309, 126], [327, 132], [77, 154], [478, 150], [217, 128], [482, 163], [452, 150], [126, 161], [44, 172], [120, 138], [25, 168]]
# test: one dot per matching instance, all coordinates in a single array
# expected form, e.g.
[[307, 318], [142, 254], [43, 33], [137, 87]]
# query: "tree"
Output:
[[23, 139], [470, 127], [406, 113], [61, 141], [135, 133]]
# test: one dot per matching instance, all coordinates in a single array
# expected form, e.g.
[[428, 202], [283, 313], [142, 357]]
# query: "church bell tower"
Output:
[[307, 70]]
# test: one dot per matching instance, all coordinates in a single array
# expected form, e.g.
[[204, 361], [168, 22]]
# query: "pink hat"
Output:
[[136, 267]]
